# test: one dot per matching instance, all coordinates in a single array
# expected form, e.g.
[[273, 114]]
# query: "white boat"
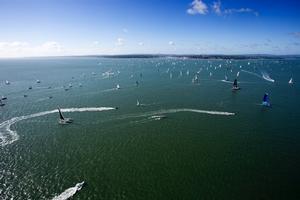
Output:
[[7, 82], [3, 98], [38, 81], [291, 81], [137, 103], [118, 87], [62, 119]]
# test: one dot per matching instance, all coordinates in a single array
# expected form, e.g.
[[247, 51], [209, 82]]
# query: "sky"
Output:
[[85, 27]]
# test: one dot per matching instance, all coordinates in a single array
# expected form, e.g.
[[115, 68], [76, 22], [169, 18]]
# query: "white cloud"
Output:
[[24, 49], [217, 7], [197, 7], [240, 10], [95, 43], [141, 43], [171, 43], [120, 42]]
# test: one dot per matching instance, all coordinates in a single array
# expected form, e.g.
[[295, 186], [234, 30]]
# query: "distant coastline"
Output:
[[199, 56], [178, 56]]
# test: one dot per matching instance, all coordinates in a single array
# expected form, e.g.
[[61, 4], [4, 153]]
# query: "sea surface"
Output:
[[191, 137]]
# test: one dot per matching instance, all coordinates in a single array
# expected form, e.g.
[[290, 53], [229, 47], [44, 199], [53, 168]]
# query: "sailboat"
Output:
[[7, 82], [63, 120], [1, 103], [118, 87], [137, 103], [265, 101], [235, 85], [291, 81], [226, 78]]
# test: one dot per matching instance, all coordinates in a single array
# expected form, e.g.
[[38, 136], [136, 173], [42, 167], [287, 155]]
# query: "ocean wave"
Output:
[[8, 136], [70, 192]]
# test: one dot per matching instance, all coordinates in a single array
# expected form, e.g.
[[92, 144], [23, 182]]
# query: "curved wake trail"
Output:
[[8, 136], [68, 193], [210, 112], [264, 75], [170, 111]]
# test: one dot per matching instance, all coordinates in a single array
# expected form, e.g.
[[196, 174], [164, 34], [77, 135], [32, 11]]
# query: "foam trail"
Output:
[[255, 74], [210, 112], [68, 193], [267, 77], [225, 81], [8, 136], [264, 76], [170, 111]]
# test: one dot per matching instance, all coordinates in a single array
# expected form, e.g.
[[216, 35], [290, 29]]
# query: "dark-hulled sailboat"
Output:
[[62, 119]]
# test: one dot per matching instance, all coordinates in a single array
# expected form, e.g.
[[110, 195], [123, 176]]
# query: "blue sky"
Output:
[[79, 27]]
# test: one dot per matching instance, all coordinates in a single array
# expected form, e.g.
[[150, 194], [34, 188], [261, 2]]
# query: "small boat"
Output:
[[30, 87], [1, 103], [136, 83], [62, 119], [265, 101], [3, 98], [158, 117], [235, 85], [25, 95], [7, 82], [118, 87], [80, 85], [291, 81], [38, 81], [137, 103], [50, 97], [70, 85]]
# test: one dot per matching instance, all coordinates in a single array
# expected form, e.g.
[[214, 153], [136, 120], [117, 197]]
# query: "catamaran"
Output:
[[63, 120], [235, 85], [265, 101]]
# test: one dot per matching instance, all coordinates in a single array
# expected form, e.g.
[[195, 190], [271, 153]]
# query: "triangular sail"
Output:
[[60, 114], [265, 99], [235, 83]]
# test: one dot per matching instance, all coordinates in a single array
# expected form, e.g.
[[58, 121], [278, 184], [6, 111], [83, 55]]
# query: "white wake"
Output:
[[8, 136]]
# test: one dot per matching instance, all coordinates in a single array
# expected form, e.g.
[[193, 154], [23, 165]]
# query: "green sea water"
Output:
[[125, 154]]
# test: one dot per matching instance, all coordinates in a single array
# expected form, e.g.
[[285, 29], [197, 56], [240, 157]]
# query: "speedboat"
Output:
[[158, 117], [7, 82], [3, 98], [62, 120]]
